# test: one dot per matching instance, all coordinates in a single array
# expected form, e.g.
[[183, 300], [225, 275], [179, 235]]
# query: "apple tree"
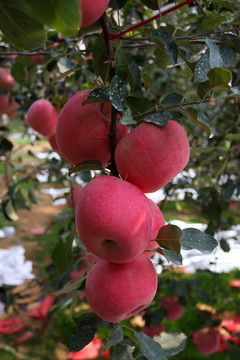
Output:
[[128, 93]]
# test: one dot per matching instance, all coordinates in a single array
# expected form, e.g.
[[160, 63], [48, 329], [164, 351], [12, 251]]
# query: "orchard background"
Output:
[[184, 65]]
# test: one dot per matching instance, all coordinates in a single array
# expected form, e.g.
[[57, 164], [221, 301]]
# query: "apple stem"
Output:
[[113, 127]]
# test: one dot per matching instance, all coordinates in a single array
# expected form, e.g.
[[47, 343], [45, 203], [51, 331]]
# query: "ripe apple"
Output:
[[53, 143], [82, 131], [207, 341], [8, 106], [150, 156], [73, 196], [92, 10], [37, 59], [7, 82], [172, 306], [118, 291], [42, 117], [153, 330], [113, 219], [158, 222]]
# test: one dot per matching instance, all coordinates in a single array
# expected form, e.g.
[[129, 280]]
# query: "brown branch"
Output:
[[113, 127]]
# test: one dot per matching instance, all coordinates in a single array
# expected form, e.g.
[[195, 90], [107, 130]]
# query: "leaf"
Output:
[[202, 67], [172, 257], [98, 95], [58, 14], [159, 117], [86, 166], [152, 4], [19, 26], [232, 137], [117, 4], [169, 237], [149, 348], [147, 82], [64, 75], [172, 99], [127, 118], [123, 352], [219, 78], [128, 69], [228, 54], [69, 288], [215, 58], [81, 336], [231, 40], [229, 189], [32, 195], [139, 105], [9, 211], [100, 57], [200, 118], [118, 93], [62, 253], [21, 201], [172, 342], [88, 319], [196, 239], [5, 146], [117, 336], [224, 245], [165, 42]]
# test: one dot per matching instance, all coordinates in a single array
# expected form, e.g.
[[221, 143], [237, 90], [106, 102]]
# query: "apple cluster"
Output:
[[114, 218]]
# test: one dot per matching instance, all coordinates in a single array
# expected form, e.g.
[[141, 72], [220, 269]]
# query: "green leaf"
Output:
[[172, 342], [69, 288], [117, 336], [152, 4], [172, 99], [62, 253], [9, 211], [169, 237], [159, 117], [5, 146], [232, 137], [215, 58], [166, 43], [117, 4], [219, 78], [231, 40], [64, 75], [202, 67], [200, 118], [118, 93], [58, 14], [127, 118], [32, 195], [139, 105], [123, 352], [147, 82], [100, 57], [19, 26], [149, 348], [224, 245], [86, 166], [98, 95], [81, 336], [171, 256], [21, 201], [128, 69], [229, 189], [196, 239], [88, 319]]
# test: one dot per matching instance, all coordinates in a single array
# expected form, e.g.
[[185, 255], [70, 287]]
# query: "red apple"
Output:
[[7, 82], [150, 156], [42, 117], [153, 330], [92, 10], [4, 104], [158, 222], [82, 131], [73, 196], [113, 219], [8, 106], [37, 59], [172, 306], [53, 143], [207, 341], [118, 291]]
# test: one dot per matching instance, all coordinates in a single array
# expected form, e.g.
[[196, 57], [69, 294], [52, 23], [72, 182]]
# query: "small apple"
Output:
[[207, 341], [7, 81], [150, 156], [92, 10], [42, 117], [113, 219], [118, 291], [172, 306]]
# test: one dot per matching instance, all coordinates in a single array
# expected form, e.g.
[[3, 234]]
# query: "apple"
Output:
[[117, 291], [92, 10], [8, 106], [207, 341], [53, 143], [172, 306], [73, 196], [82, 131], [90, 351], [37, 59], [158, 222], [7, 82], [150, 156], [153, 330], [42, 117], [113, 219], [4, 103]]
